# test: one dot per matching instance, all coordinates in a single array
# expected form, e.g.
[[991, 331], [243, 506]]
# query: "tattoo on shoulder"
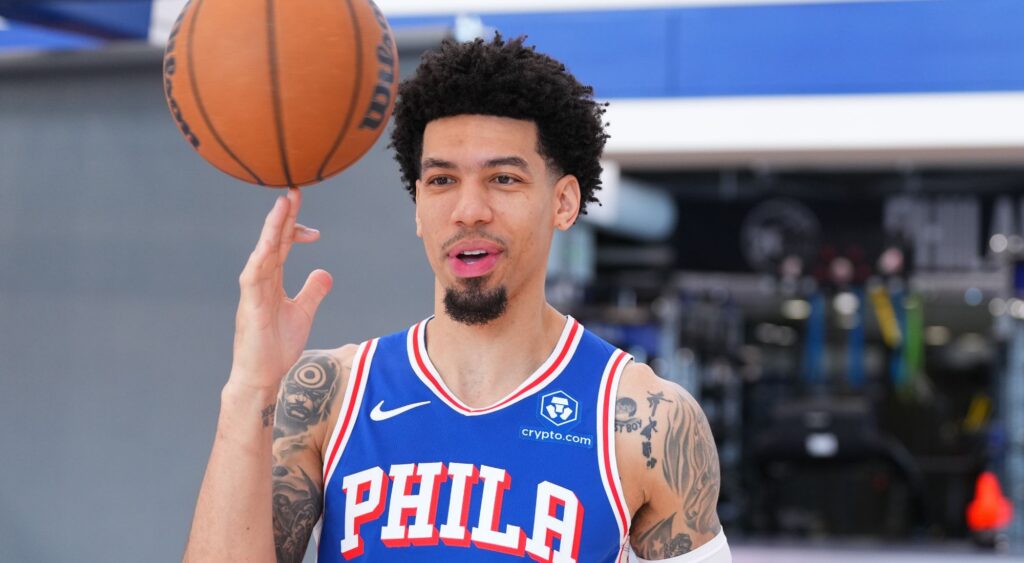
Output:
[[659, 543], [625, 415], [655, 399], [307, 392], [690, 466], [645, 446], [297, 502]]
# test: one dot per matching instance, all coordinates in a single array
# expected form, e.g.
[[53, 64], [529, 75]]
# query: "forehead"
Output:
[[464, 139]]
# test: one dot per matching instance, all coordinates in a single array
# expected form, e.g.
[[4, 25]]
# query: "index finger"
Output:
[[264, 255], [288, 237], [270, 236]]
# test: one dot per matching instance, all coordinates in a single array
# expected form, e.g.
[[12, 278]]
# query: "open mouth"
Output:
[[472, 256], [472, 259]]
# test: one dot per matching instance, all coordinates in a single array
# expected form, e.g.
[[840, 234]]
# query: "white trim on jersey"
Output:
[[350, 407], [556, 362], [607, 462], [715, 551]]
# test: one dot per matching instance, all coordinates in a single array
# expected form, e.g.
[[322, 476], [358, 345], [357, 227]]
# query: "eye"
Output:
[[505, 179], [441, 181]]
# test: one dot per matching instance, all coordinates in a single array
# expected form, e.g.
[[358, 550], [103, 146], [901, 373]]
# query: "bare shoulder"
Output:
[[638, 377], [669, 465]]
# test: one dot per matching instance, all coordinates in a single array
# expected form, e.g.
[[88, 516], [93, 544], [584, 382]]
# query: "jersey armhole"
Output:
[[607, 462], [350, 406]]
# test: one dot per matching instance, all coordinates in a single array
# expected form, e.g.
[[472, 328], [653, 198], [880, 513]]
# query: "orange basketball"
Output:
[[281, 93]]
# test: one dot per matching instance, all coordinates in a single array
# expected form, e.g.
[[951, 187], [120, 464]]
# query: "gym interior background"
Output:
[[813, 220]]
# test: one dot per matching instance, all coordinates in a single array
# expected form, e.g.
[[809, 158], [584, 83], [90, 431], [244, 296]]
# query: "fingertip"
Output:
[[306, 234], [324, 280]]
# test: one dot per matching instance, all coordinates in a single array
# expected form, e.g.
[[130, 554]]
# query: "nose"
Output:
[[473, 206]]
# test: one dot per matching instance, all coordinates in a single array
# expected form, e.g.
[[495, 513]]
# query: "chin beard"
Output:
[[474, 305]]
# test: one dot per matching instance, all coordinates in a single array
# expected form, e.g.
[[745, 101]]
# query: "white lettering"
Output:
[[364, 501], [547, 525], [486, 535], [453, 531], [421, 505]]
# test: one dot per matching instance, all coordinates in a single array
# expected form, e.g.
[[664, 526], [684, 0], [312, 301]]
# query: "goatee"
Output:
[[474, 305]]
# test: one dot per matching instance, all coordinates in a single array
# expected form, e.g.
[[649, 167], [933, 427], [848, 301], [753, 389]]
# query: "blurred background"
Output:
[[812, 219]]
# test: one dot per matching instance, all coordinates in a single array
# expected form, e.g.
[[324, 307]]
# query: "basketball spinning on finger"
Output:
[[281, 93]]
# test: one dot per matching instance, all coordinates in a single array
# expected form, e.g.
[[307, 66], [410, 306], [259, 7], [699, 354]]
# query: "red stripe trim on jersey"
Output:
[[609, 467], [350, 404], [430, 374]]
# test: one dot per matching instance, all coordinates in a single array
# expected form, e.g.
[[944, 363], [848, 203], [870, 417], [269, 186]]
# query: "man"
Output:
[[499, 428]]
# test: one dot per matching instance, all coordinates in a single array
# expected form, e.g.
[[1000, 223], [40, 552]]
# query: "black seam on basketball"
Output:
[[357, 84], [199, 99], [275, 93]]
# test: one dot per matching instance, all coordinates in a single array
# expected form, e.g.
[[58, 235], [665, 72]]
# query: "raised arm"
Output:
[[669, 463], [233, 519]]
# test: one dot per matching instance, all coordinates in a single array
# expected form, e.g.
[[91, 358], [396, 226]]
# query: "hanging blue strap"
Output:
[[814, 349]]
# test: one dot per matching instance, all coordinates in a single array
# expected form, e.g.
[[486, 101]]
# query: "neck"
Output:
[[483, 363]]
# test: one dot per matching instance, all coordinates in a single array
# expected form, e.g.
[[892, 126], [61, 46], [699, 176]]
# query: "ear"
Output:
[[416, 204], [567, 202]]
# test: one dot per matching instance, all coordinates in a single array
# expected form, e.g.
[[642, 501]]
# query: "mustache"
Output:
[[472, 234]]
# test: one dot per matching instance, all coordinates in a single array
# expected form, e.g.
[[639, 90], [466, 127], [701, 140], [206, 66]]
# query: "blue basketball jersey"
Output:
[[413, 474]]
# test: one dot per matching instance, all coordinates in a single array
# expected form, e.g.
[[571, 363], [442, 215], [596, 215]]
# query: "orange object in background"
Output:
[[989, 510]]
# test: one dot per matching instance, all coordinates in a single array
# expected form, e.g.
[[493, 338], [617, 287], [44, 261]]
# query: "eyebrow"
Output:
[[514, 161], [437, 163]]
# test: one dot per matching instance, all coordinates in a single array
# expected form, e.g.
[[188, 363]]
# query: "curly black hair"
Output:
[[503, 79]]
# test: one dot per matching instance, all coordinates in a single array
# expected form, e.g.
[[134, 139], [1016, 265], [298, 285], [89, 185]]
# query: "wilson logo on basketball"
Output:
[[381, 100], [170, 65]]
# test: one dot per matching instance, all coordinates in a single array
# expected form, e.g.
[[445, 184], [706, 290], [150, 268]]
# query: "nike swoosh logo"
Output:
[[378, 414]]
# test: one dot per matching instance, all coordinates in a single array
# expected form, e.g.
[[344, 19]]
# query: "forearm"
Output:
[[232, 521]]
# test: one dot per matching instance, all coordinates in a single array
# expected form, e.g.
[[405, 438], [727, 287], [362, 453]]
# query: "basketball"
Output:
[[281, 94]]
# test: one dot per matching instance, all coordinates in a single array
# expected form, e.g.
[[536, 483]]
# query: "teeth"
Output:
[[474, 252]]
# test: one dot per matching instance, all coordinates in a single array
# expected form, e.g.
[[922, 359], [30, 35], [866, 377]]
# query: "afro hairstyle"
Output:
[[503, 79]]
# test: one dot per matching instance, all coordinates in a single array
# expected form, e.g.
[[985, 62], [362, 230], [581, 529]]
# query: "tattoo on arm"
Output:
[[659, 543], [645, 446], [625, 419], [655, 399], [267, 414], [297, 505], [304, 402], [690, 466], [307, 392]]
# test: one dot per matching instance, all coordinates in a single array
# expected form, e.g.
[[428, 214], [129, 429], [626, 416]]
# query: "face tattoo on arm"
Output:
[[304, 402]]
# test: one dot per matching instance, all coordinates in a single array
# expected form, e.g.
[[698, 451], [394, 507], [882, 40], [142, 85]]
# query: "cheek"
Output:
[[531, 237]]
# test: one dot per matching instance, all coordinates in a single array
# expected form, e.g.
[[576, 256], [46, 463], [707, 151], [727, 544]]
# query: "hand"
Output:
[[271, 329]]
